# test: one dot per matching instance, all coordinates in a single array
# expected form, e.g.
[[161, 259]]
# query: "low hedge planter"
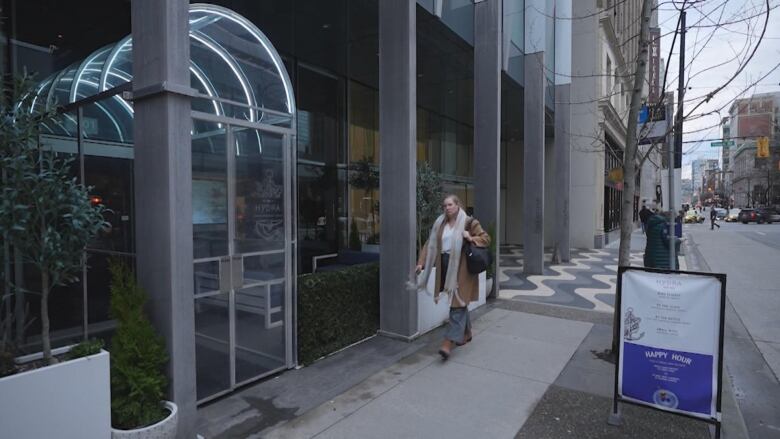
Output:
[[336, 309], [71, 399]]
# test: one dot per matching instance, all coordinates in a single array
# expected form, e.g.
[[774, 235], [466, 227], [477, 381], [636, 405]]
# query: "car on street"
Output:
[[693, 217], [769, 215], [732, 215], [720, 213], [758, 215]]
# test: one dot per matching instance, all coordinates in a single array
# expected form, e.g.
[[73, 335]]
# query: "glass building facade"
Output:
[[319, 99]]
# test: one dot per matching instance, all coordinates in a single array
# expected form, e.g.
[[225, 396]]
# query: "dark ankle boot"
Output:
[[445, 349], [466, 338]]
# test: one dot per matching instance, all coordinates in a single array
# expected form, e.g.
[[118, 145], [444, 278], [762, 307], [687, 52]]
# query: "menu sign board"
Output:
[[671, 326]]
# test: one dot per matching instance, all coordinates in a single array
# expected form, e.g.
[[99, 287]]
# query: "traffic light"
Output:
[[762, 147]]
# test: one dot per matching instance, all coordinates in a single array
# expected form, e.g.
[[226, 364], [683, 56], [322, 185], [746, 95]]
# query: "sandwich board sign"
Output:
[[670, 350]]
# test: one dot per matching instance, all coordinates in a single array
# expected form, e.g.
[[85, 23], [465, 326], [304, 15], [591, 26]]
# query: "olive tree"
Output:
[[45, 214]]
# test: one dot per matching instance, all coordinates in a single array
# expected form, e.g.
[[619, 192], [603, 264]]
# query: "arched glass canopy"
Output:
[[234, 70]]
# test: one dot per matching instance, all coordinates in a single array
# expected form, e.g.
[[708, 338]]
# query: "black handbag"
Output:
[[478, 259]]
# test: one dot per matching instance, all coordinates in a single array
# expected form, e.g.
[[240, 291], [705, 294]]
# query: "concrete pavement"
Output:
[[488, 388]]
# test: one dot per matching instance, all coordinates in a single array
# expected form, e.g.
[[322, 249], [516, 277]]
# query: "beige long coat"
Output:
[[468, 284]]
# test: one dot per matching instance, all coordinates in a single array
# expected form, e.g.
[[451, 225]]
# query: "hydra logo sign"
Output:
[[631, 326]]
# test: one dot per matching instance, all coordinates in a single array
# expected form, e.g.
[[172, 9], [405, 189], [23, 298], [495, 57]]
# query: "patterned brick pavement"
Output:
[[587, 282]]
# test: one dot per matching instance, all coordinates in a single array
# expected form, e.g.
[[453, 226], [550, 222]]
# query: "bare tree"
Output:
[[630, 154]]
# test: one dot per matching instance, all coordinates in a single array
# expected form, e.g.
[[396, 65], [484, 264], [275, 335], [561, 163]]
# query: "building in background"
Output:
[[725, 158], [699, 169], [686, 190], [755, 178], [604, 48], [651, 172]]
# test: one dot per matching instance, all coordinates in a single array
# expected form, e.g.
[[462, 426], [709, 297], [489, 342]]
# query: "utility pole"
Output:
[[677, 149]]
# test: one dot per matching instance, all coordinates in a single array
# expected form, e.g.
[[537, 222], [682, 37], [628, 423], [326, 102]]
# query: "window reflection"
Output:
[[364, 166], [445, 91], [209, 190], [321, 154]]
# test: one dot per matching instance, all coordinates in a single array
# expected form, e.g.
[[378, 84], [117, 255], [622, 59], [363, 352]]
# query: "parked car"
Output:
[[720, 213], [732, 215], [747, 215], [768, 215], [759, 215], [693, 217]]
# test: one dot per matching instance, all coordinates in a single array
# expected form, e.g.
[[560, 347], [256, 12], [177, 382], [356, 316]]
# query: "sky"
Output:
[[707, 46]]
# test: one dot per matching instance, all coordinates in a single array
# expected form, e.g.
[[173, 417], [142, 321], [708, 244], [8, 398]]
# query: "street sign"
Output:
[[670, 350], [723, 143], [652, 124]]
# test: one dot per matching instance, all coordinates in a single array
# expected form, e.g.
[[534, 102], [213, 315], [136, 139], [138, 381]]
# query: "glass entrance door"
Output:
[[241, 198]]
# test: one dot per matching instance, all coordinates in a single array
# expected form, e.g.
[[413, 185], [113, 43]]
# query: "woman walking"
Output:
[[444, 250]]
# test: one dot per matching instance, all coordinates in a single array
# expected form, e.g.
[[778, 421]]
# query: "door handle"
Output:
[[237, 272], [224, 275]]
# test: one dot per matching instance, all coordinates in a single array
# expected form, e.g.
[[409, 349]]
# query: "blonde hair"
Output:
[[454, 199]]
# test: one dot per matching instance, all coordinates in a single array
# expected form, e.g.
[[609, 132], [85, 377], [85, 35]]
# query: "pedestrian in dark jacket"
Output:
[[657, 247], [644, 214], [713, 217]]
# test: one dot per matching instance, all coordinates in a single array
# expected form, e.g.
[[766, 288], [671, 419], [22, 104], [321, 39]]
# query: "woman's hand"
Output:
[[418, 269], [466, 235]]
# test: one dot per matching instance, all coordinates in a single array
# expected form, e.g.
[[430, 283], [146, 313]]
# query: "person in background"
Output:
[[444, 250], [657, 246], [713, 217], [644, 214]]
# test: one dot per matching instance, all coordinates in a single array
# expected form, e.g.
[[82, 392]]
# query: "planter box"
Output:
[[67, 400], [431, 315], [165, 429]]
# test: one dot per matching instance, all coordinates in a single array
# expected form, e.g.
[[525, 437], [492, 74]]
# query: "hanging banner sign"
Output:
[[671, 341]]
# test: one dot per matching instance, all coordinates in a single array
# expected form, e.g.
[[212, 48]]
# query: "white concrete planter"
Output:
[[431, 315], [165, 429], [71, 399]]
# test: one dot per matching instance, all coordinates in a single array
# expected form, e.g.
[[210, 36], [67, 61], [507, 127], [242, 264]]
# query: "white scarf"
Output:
[[451, 281]]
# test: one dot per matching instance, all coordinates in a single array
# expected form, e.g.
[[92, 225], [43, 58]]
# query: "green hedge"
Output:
[[336, 309]]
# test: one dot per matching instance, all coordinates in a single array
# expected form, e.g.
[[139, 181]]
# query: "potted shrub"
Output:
[[429, 198], [46, 219], [138, 381]]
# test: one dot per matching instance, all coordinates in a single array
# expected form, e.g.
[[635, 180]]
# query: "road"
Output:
[[749, 254]]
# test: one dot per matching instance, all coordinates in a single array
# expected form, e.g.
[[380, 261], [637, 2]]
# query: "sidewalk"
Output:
[[487, 388], [534, 370]]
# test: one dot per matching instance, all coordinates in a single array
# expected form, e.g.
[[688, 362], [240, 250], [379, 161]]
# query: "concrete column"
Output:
[[487, 116], [587, 188], [163, 187], [562, 156], [562, 148], [533, 137], [397, 166]]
